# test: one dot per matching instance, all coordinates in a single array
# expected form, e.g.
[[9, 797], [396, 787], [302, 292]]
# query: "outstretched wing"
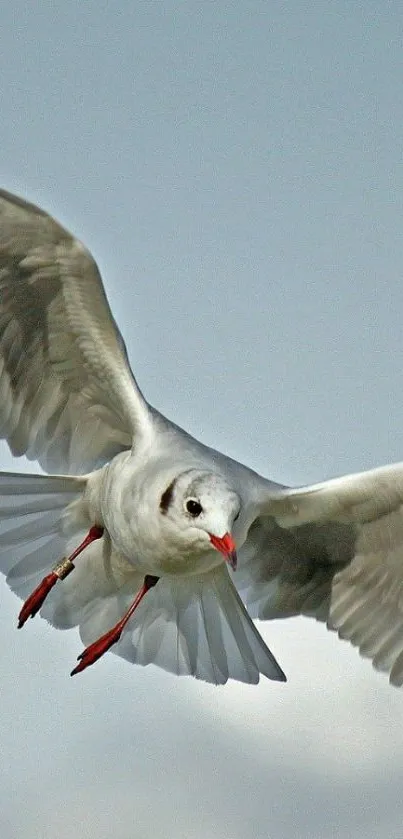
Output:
[[67, 395], [335, 551]]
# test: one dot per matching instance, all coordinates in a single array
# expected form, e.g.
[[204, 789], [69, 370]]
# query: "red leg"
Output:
[[99, 647], [60, 571]]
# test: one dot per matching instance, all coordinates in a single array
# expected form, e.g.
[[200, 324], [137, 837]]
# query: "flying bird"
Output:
[[158, 547]]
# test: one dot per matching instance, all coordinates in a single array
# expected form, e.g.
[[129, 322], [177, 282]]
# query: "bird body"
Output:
[[158, 547]]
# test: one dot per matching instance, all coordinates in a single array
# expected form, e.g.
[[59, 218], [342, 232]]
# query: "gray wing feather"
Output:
[[367, 596], [67, 394], [286, 572], [334, 551]]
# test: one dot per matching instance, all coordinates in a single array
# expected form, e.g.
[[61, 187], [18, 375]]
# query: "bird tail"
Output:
[[193, 625], [37, 519]]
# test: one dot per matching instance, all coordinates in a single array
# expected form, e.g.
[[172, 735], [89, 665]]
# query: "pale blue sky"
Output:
[[236, 169]]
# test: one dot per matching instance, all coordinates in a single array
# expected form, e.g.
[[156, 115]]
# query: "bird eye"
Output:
[[237, 516], [194, 507]]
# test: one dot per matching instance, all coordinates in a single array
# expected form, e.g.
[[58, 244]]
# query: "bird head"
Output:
[[203, 507]]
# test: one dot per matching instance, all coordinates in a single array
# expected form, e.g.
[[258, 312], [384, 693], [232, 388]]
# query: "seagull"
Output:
[[157, 547]]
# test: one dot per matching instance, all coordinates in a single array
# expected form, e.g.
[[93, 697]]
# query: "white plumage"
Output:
[[161, 511]]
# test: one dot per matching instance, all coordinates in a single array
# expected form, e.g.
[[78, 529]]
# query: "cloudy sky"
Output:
[[236, 168]]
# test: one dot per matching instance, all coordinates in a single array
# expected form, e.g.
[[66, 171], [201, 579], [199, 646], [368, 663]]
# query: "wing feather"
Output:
[[67, 395], [334, 550]]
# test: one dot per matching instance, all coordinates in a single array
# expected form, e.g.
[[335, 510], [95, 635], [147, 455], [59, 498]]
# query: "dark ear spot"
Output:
[[166, 498]]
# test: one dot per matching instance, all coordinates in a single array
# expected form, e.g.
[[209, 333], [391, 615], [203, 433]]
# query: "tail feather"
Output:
[[191, 625]]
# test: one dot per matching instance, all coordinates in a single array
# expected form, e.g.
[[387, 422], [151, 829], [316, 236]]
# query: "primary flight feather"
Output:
[[158, 547]]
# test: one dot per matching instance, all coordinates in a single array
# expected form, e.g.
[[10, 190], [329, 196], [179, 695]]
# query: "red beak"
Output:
[[226, 546]]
